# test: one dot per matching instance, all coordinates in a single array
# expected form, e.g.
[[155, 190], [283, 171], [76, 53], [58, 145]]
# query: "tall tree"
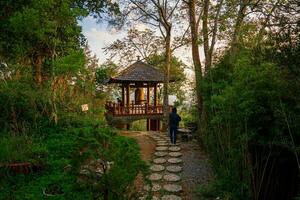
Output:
[[194, 28], [159, 14], [210, 30], [34, 32]]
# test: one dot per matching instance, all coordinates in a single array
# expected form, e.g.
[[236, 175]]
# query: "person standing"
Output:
[[174, 120]]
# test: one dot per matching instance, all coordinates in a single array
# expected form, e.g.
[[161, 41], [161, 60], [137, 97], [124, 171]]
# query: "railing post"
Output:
[[114, 108], [146, 108], [132, 105]]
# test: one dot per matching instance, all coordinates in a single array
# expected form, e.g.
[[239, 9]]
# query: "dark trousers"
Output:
[[173, 133]]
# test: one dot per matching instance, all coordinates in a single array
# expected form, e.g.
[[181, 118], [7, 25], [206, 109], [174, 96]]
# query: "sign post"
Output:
[[84, 107]]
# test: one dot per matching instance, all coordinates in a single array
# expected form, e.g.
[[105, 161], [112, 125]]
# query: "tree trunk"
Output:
[[196, 58], [167, 77], [235, 40], [205, 35], [214, 32]]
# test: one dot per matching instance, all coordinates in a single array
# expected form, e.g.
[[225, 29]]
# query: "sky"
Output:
[[99, 36]]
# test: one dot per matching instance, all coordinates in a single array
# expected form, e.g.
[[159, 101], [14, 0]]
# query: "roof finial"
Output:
[[138, 58]]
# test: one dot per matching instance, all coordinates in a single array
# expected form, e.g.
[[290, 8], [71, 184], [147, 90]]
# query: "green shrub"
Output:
[[69, 145], [246, 101], [24, 108], [21, 149]]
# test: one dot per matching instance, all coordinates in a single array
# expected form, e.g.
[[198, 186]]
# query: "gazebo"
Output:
[[145, 80]]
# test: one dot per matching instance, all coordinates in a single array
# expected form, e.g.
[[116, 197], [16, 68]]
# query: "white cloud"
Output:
[[98, 39], [141, 26]]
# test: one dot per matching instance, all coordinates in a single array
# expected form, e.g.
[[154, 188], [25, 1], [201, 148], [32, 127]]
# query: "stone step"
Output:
[[174, 148], [160, 153], [174, 168], [154, 187], [161, 148], [171, 177], [174, 160], [175, 154], [157, 168], [155, 177], [162, 144], [159, 160], [172, 188]]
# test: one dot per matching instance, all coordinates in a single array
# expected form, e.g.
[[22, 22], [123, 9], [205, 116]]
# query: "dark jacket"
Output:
[[174, 119]]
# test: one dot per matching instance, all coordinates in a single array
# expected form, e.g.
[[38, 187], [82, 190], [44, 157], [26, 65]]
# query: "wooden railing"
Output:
[[117, 109]]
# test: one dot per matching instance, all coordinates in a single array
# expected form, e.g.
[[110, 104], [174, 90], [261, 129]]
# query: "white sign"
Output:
[[84, 107]]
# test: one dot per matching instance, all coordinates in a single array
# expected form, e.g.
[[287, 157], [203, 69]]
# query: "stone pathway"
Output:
[[164, 181]]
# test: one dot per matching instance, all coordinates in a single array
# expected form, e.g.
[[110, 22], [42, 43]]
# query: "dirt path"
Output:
[[195, 168], [147, 145]]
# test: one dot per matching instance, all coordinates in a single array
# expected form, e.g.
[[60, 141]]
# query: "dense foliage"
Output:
[[59, 143], [252, 120], [46, 74]]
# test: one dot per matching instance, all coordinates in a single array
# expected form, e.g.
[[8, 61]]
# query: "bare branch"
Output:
[[152, 16], [174, 8]]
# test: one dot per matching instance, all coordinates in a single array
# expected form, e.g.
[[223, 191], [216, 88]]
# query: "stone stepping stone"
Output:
[[173, 187], [174, 160], [174, 168], [172, 177], [171, 197], [160, 153], [161, 144], [161, 148], [175, 154], [174, 148], [174, 145], [155, 177], [157, 168], [155, 187], [161, 141], [159, 160]]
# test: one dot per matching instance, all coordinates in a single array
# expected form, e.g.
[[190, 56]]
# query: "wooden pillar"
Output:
[[128, 101], [154, 123], [127, 95], [147, 102], [148, 124], [123, 94], [155, 94], [148, 93]]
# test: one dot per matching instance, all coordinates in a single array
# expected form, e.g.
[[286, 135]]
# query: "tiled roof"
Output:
[[139, 72]]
